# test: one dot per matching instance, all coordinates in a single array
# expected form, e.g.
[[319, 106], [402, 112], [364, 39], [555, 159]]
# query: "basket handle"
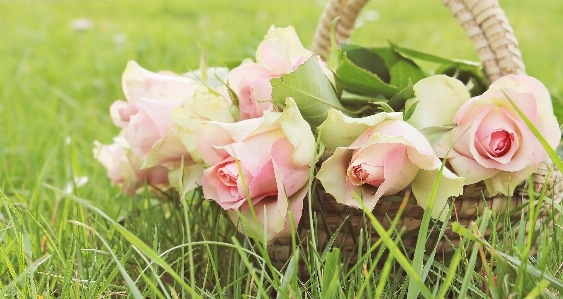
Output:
[[484, 21]]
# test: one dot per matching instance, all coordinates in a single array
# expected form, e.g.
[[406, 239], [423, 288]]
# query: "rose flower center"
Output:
[[227, 177], [366, 174], [500, 143]]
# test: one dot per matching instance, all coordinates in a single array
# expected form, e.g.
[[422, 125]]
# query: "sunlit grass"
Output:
[[56, 85]]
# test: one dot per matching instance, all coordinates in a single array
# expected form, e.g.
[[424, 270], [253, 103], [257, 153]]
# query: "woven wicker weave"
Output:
[[487, 26]]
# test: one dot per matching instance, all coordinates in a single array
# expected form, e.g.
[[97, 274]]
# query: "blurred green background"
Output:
[[57, 80]]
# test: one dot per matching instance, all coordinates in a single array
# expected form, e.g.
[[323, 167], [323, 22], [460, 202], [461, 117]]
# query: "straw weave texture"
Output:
[[488, 28]]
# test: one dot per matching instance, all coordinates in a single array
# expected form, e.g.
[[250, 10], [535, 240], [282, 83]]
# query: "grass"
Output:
[[56, 85]]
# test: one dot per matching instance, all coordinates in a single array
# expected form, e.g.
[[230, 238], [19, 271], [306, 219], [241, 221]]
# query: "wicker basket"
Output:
[[487, 26]]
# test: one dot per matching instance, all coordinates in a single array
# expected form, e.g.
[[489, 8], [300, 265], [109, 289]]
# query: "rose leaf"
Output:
[[310, 88]]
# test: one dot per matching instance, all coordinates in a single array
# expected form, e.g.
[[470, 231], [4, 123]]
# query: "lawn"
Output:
[[57, 83]]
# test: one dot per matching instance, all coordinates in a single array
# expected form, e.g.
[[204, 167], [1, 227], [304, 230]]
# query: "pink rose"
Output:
[[147, 114], [279, 53], [268, 157], [124, 168], [136, 82], [381, 155], [490, 140]]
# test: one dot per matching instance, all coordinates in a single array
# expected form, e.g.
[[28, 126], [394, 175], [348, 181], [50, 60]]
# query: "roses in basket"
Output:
[[249, 136]]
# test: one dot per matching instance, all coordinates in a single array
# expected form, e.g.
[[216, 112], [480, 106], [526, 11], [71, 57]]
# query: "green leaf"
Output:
[[335, 51], [384, 106], [469, 72], [409, 112], [361, 81], [429, 57], [397, 102], [310, 88], [371, 62], [338, 86], [405, 72], [330, 282], [387, 54], [289, 273], [377, 71]]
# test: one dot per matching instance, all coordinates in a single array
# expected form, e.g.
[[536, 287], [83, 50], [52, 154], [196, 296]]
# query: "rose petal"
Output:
[[399, 173], [274, 54], [121, 112], [505, 182], [450, 185], [141, 134], [546, 122], [353, 192], [470, 169], [187, 178], [207, 136], [293, 176], [521, 95], [496, 120], [418, 155], [161, 100], [136, 81], [407, 131], [271, 215], [530, 152], [436, 93], [332, 135], [263, 184], [254, 151], [296, 206], [333, 174], [289, 36], [211, 136], [168, 151], [298, 132], [249, 72]]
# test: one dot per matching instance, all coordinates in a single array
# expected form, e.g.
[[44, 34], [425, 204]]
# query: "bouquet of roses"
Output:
[[372, 121]]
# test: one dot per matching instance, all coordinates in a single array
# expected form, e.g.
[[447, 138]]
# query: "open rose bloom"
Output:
[[381, 155], [159, 120], [280, 52], [490, 142], [260, 165]]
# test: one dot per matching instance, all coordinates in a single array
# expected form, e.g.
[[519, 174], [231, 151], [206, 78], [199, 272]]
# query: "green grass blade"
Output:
[[145, 249], [22, 275], [132, 287], [401, 259]]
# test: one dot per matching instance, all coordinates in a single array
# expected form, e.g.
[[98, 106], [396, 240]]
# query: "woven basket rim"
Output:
[[484, 22]]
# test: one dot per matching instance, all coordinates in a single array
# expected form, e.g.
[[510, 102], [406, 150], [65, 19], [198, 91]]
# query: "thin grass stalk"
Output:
[[135, 241], [403, 261]]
